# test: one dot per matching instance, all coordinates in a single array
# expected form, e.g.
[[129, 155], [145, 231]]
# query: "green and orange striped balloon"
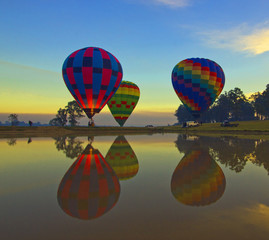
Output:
[[198, 180], [122, 159], [122, 104], [90, 187]]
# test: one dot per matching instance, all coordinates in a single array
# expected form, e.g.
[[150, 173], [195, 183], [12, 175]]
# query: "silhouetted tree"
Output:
[[61, 118], [74, 112], [182, 114], [237, 100], [13, 118], [260, 103]]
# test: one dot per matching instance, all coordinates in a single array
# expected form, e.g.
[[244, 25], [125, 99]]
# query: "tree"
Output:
[[61, 118], [260, 103], [74, 112], [266, 101], [182, 114], [13, 118], [248, 112], [54, 122], [223, 107], [240, 107]]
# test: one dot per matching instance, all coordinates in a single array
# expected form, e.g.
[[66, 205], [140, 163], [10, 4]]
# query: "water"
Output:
[[134, 187]]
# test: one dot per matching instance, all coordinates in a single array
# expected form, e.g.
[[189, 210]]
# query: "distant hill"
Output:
[[24, 124]]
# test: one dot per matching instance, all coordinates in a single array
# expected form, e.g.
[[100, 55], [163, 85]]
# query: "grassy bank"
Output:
[[244, 128]]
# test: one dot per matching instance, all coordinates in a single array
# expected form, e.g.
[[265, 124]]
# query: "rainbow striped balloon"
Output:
[[122, 104], [197, 82], [90, 188], [198, 180], [122, 159]]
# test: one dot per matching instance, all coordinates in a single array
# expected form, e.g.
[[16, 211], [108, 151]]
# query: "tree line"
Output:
[[233, 106], [13, 120], [229, 151]]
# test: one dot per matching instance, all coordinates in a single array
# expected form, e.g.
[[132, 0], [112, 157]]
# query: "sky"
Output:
[[148, 37]]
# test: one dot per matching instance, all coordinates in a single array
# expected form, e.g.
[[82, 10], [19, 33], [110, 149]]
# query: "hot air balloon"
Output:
[[124, 101], [122, 159], [90, 187], [92, 75], [197, 82], [198, 180]]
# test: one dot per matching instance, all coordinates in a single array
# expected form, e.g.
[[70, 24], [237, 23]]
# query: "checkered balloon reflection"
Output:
[[90, 188], [198, 180]]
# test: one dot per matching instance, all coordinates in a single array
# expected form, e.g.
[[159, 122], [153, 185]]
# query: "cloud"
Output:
[[254, 40], [173, 3], [167, 3]]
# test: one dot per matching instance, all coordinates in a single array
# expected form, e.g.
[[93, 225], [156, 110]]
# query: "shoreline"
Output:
[[248, 128]]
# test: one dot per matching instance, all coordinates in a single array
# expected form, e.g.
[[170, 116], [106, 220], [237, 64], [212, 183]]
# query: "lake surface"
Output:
[[134, 187]]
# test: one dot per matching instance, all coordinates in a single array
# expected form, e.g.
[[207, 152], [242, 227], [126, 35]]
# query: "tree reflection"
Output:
[[262, 155], [230, 151], [71, 146], [12, 141]]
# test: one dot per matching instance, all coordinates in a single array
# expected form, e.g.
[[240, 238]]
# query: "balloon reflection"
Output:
[[122, 159], [90, 188], [198, 180]]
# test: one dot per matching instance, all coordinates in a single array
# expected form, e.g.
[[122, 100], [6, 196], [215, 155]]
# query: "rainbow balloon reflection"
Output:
[[198, 180], [122, 159], [90, 187]]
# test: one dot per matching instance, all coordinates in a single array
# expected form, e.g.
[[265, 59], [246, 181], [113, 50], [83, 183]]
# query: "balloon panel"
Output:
[[124, 101], [197, 82], [198, 180], [92, 75], [90, 187], [122, 159]]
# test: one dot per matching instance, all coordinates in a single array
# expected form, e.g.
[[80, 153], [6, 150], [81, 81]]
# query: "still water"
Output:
[[134, 187]]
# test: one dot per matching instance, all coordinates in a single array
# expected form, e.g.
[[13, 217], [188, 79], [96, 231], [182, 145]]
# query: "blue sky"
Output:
[[148, 37]]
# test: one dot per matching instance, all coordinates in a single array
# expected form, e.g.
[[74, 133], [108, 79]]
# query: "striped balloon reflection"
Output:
[[90, 187], [122, 159]]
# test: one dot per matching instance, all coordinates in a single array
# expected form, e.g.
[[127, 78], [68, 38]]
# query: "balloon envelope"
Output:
[[122, 159], [92, 75], [124, 101], [90, 187], [198, 180], [197, 82]]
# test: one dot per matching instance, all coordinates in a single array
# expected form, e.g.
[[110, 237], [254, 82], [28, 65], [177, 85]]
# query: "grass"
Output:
[[244, 128]]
